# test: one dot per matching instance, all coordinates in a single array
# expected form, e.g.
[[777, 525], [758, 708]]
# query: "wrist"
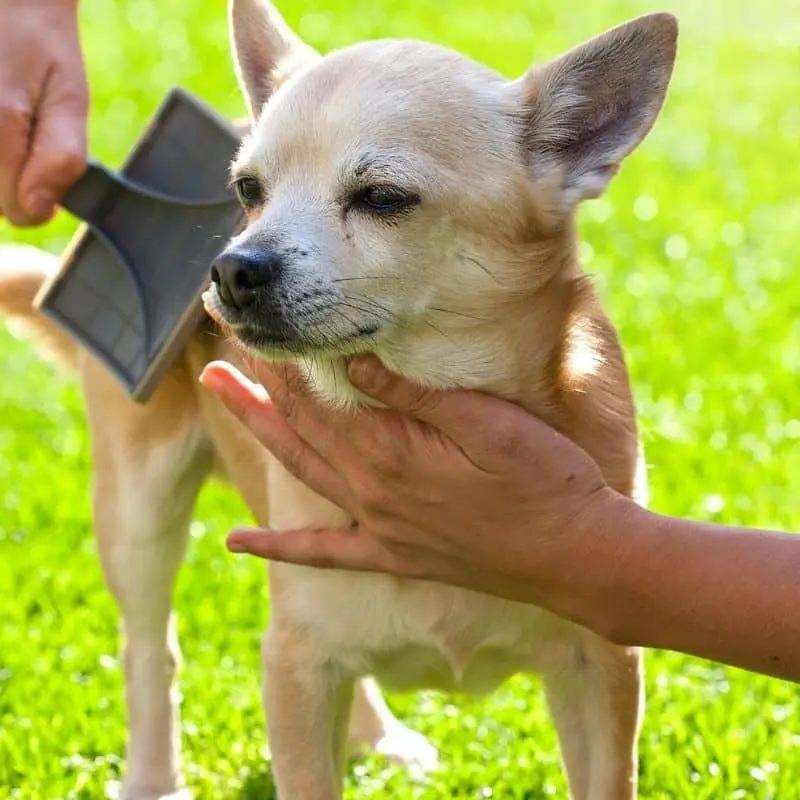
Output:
[[596, 563], [628, 547]]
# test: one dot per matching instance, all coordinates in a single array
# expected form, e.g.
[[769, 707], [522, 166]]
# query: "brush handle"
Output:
[[91, 196]]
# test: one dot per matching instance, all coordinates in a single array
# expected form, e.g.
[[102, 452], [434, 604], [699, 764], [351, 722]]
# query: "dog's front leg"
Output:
[[307, 703], [596, 701], [145, 485]]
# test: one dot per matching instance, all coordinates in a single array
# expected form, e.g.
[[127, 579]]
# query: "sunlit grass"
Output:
[[695, 248]]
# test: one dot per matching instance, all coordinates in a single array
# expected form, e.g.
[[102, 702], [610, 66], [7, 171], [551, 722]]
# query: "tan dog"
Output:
[[406, 201]]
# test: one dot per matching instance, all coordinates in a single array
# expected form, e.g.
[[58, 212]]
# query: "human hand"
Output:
[[456, 487], [44, 104]]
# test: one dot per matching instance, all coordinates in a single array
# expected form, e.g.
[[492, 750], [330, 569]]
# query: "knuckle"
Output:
[[423, 401], [404, 560], [15, 118], [68, 164]]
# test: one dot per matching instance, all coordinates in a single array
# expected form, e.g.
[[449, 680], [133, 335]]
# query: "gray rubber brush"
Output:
[[130, 284]]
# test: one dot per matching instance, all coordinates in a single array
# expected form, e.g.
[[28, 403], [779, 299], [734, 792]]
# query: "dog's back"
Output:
[[23, 272], [178, 402]]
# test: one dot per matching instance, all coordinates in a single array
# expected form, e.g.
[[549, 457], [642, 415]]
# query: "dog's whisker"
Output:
[[473, 260], [457, 313], [377, 313], [367, 278], [438, 330], [374, 304], [344, 316], [309, 367]]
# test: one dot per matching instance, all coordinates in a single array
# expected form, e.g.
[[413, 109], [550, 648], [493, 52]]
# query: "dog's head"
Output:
[[396, 187]]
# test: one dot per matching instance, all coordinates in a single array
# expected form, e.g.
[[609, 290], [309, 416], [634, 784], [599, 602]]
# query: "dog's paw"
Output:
[[410, 749], [119, 791]]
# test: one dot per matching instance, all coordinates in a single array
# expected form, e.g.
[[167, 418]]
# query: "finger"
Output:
[[381, 438], [281, 378], [249, 403], [351, 549], [222, 377], [479, 424], [323, 427], [57, 156], [16, 118]]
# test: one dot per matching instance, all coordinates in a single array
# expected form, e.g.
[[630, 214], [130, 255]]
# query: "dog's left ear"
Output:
[[584, 112], [266, 51]]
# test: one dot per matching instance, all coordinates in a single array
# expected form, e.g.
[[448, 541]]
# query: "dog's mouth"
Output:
[[296, 343], [308, 334]]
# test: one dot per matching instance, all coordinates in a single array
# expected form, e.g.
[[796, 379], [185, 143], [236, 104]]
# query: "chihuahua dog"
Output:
[[403, 200]]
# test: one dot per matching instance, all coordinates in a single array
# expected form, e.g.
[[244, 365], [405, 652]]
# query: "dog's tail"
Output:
[[23, 272]]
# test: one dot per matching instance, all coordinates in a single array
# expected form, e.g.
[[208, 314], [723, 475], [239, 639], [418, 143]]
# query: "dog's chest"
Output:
[[413, 634], [407, 633]]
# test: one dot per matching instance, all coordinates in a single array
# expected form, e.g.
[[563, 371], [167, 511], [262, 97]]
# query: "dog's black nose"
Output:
[[240, 273]]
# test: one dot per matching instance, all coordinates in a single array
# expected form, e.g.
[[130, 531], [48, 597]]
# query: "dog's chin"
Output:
[[288, 341]]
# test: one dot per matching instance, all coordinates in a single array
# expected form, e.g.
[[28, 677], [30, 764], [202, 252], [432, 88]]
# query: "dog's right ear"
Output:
[[266, 51]]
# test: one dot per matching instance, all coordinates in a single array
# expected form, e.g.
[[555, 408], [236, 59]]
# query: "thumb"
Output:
[[57, 155]]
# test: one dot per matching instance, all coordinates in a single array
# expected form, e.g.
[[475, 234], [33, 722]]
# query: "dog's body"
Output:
[[405, 201], [149, 464]]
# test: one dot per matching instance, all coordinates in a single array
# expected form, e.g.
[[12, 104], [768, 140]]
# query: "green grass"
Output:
[[695, 248]]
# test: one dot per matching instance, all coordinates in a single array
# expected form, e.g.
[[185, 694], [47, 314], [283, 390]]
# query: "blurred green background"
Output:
[[695, 250]]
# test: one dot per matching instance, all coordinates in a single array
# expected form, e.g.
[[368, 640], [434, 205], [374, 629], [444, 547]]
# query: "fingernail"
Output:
[[235, 546], [210, 380], [367, 373], [40, 203], [213, 380]]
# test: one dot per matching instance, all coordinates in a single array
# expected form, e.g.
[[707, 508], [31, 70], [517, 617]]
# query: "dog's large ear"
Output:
[[587, 110], [266, 51]]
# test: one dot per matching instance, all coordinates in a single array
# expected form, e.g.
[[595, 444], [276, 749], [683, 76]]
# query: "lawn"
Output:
[[695, 249]]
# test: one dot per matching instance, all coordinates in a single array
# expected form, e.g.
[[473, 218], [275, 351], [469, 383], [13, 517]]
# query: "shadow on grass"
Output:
[[259, 786]]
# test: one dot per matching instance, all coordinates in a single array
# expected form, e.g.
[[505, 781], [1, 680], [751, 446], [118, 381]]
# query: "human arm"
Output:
[[724, 593], [43, 107], [469, 490]]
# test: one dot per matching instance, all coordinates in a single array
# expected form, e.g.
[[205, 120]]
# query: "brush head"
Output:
[[131, 279]]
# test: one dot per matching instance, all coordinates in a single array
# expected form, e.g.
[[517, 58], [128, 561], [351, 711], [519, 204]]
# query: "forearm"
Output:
[[728, 594]]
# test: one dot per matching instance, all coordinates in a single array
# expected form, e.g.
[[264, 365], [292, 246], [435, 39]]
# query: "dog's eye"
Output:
[[385, 199], [249, 191]]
